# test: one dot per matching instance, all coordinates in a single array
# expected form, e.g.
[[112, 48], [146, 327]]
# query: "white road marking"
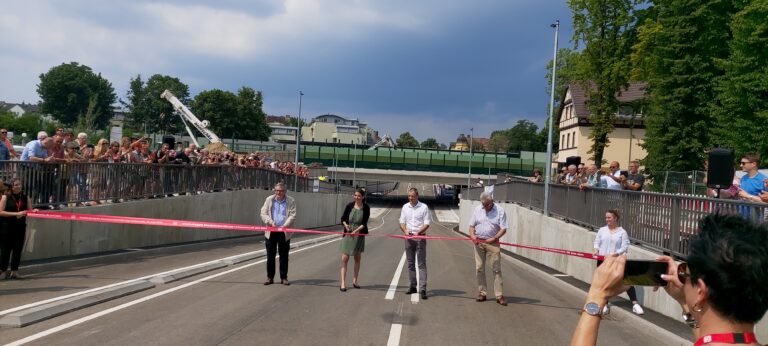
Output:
[[141, 300], [393, 285], [415, 296], [560, 275], [394, 334]]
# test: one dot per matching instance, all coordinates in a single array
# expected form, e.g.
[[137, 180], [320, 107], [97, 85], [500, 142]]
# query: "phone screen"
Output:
[[645, 273], [624, 173]]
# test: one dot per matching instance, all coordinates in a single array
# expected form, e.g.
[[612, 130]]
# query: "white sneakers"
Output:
[[637, 309]]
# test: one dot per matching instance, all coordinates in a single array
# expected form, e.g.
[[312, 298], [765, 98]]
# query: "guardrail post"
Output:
[[674, 225]]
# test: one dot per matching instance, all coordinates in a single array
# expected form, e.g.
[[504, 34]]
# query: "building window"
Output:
[[573, 140], [562, 142]]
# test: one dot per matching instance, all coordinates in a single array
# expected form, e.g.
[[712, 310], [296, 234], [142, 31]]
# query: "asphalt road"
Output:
[[230, 306]]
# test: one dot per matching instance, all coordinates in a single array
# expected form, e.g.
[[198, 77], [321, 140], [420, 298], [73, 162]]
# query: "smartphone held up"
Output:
[[644, 273]]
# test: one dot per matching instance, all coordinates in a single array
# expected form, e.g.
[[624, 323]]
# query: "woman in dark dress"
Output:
[[355, 221], [13, 211]]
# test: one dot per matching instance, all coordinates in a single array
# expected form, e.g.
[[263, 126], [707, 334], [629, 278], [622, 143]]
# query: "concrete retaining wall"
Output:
[[49, 238], [528, 227]]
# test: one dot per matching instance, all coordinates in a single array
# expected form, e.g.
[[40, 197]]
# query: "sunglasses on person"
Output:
[[745, 162], [3, 132], [682, 272]]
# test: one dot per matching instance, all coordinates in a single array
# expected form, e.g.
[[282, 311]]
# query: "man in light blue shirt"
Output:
[[278, 211], [486, 227], [37, 150]]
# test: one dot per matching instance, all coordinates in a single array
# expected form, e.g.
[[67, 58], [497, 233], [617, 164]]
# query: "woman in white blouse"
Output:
[[613, 239]]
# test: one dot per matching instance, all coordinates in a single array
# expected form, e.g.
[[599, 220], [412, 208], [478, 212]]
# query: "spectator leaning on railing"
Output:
[[612, 179], [592, 177], [7, 142], [635, 180], [752, 184]]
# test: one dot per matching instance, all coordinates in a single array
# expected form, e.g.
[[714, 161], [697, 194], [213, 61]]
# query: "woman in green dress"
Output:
[[355, 222]]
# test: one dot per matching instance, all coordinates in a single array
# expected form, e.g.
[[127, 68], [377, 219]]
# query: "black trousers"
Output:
[[276, 243], [11, 245]]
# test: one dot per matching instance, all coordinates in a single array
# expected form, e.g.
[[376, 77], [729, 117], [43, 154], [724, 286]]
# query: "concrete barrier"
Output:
[[529, 227], [51, 238]]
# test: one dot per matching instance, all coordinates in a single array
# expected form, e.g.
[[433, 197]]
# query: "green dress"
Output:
[[352, 245]]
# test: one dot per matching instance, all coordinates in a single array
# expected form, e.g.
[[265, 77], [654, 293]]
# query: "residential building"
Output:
[[20, 109], [331, 128], [575, 126]]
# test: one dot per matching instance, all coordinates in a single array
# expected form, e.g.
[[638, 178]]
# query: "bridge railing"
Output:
[[663, 222], [54, 184]]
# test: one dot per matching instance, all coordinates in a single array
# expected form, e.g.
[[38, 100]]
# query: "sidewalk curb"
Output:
[[25, 317], [36, 314], [185, 273]]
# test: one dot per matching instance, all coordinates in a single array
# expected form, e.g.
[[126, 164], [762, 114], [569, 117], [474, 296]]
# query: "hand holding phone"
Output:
[[645, 273]]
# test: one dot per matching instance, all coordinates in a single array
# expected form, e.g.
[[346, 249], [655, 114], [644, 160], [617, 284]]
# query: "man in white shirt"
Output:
[[486, 227], [414, 221], [614, 180]]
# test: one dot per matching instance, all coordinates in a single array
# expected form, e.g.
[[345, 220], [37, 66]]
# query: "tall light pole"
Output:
[[548, 169], [469, 172], [298, 137], [354, 166]]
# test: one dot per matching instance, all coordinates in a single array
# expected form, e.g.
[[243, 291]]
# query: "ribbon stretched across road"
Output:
[[129, 220]]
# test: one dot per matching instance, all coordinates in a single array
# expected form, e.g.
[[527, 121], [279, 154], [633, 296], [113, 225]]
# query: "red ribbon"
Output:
[[129, 220]]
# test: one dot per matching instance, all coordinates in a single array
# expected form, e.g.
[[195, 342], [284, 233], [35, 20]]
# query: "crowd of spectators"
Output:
[[590, 176], [70, 180]]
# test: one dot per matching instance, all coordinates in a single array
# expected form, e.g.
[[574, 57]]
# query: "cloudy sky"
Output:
[[435, 68]]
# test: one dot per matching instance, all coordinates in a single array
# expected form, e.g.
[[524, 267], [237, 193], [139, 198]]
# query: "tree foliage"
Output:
[[606, 28], [233, 116], [147, 110], [742, 93], [430, 143], [676, 53], [406, 140], [68, 90], [524, 136], [28, 123]]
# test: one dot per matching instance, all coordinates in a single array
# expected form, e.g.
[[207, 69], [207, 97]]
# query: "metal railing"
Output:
[[663, 222], [54, 184]]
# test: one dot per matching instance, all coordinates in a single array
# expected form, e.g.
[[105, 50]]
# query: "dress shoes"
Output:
[[501, 301], [355, 286], [480, 297], [269, 282], [424, 294], [285, 282], [411, 290], [343, 289]]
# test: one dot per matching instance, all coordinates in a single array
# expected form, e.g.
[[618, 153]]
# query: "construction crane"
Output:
[[187, 116], [386, 140]]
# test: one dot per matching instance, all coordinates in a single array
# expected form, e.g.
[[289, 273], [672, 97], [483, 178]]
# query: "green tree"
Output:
[[233, 116], [406, 140], [676, 53], [253, 120], [499, 141], [68, 90], [430, 143], [606, 28], [147, 109], [742, 93], [523, 136], [218, 107]]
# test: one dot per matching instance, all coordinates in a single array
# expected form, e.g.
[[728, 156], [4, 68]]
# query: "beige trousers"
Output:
[[482, 251]]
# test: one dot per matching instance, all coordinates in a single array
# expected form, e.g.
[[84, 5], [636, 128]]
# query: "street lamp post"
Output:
[[298, 137], [548, 170], [354, 167], [469, 171]]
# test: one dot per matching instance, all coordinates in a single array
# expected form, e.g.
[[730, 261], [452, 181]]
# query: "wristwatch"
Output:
[[593, 309]]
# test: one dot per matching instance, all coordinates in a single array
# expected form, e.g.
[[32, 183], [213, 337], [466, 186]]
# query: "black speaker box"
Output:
[[573, 160], [720, 170], [170, 140]]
